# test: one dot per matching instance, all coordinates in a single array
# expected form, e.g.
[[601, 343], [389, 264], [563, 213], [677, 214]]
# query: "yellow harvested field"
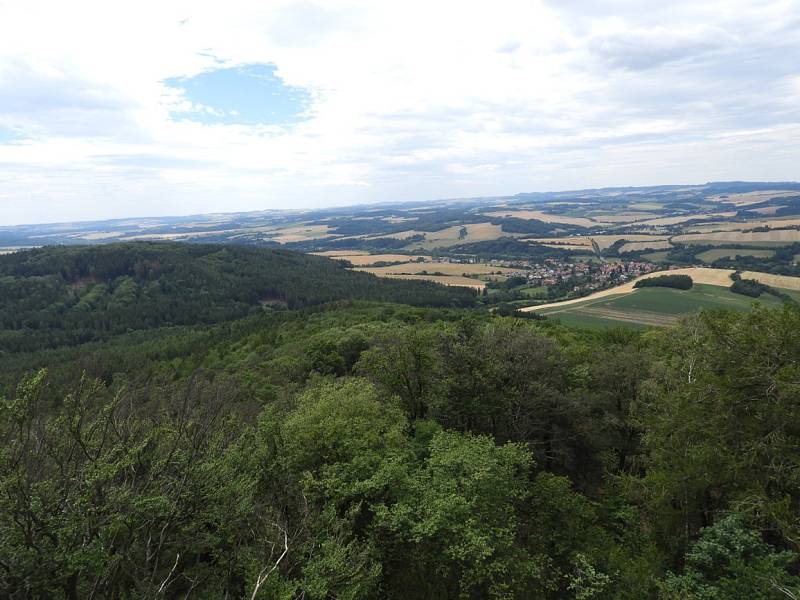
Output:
[[766, 210], [443, 279], [180, 236], [746, 198], [778, 281], [623, 217], [709, 276], [400, 235], [604, 241], [100, 235], [301, 234], [476, 232], [739, 225], [546, 217], [341, 253], [652, 245], [567, 246], [565, 242], [413, 268], [786, 236], [362, 260], [664, 221]]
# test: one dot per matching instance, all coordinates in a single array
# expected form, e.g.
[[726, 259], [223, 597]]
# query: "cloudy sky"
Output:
[[113, 109]]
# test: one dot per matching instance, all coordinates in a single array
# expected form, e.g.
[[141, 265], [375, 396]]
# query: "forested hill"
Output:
[[370, 450], [58, 295]]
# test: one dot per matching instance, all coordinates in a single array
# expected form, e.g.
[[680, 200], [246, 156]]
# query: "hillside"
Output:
[[627, 305], [282, 444], [752, 226], [70, 295]]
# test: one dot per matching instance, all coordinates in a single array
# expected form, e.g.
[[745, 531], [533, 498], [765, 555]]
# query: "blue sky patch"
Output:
[[8, 135], [244, 95]]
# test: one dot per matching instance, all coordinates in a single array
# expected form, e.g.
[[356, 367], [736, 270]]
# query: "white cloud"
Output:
[[413, 100]]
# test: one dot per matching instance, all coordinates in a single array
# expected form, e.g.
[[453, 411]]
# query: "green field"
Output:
[[534, 291], [656, 256], [709, 256], [654, 306]]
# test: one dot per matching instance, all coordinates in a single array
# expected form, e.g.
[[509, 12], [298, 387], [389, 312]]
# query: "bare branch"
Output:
[[262, 576], [166, 581]]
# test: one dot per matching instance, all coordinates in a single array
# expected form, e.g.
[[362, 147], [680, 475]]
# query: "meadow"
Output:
[[653, 306]]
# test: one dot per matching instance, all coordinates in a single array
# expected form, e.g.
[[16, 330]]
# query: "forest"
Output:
[[192, 421]]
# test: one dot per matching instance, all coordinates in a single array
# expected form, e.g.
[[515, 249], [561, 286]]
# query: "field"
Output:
[[341, 253], [656, 256], [301, 234], [662, 221], [776, 237], [545, 217], [746, 198], [655, 306], [454, 269], [651, 245], [364, 259], [744, 225], [604, 241], [443, 279], [710, 256], [476, 232], [621, 217], [663, 306]]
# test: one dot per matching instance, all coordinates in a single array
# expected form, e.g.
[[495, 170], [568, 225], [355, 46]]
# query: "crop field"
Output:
[[364, 259], [546, 217], [341, 253], [710, 256], [622, 217], [775, 237], [656, 306], [415, 268], [651, 245], [656, 256], [400, 235], [664, 221], [745, 198], [443, 279], [604, 241], [476, 232], [743, 225], [627, 305], [301, 233]]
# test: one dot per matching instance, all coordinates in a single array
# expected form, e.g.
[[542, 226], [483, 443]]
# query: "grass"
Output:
[[709, 256], [584, 321], [430, 268], [654, 306], [534, 291], [656, 256]]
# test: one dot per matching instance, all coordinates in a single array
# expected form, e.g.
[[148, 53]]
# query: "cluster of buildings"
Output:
[[586, 275], [576, 277]]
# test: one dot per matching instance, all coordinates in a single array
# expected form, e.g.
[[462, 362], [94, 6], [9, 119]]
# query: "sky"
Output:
[[151, 108]]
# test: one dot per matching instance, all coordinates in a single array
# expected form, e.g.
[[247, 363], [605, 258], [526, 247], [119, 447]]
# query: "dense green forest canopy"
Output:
[[680, 282], [350, 447], [55, 296]]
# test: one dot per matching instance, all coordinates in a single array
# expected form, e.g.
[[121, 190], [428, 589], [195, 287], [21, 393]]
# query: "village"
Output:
[[572, 277]]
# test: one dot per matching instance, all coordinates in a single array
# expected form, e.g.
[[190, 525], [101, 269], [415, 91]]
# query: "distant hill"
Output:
[[59, 295]]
